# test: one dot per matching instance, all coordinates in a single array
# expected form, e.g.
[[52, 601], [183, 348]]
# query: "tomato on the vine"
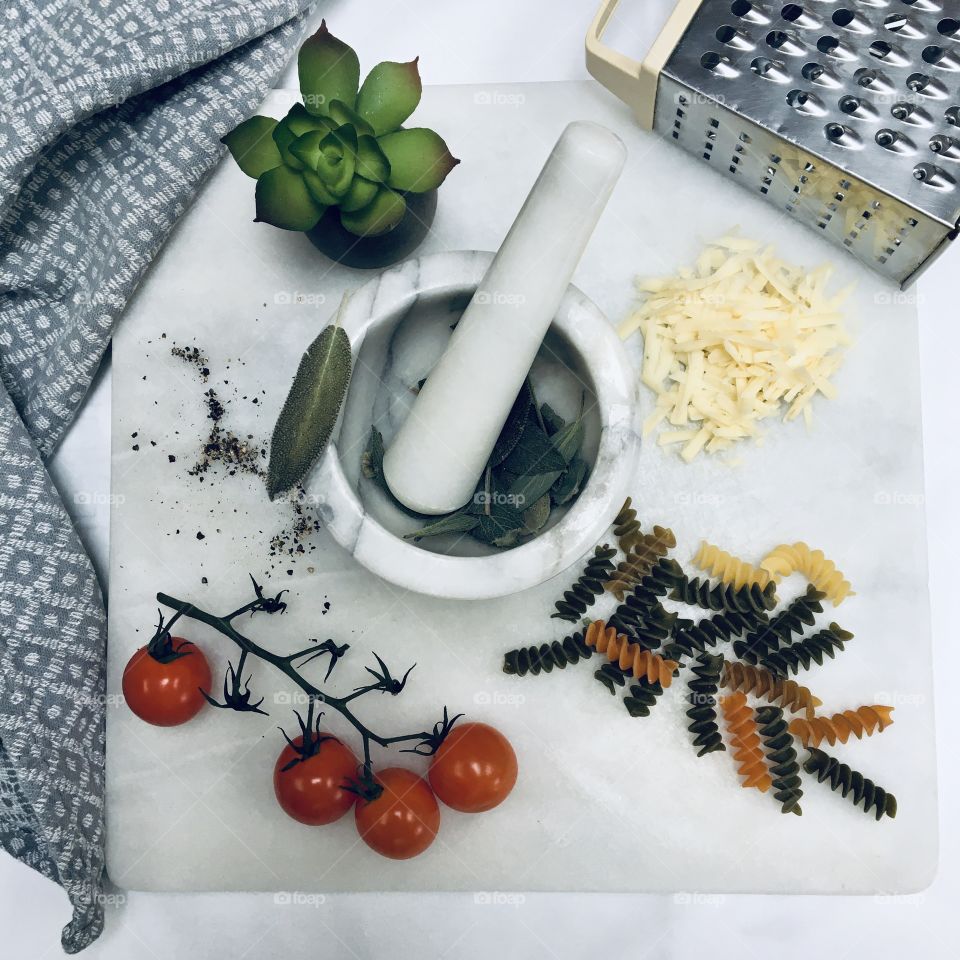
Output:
[[311, 789], [403, 820], [162, 683], [474, 768]]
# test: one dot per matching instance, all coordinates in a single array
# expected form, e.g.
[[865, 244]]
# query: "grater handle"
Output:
[[632, 81]]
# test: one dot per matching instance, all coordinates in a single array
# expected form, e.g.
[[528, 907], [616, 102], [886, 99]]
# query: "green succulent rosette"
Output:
[[344, 146]]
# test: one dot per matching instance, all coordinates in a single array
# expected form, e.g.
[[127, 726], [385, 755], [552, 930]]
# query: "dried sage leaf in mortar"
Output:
[[536, 516], [514, 425], [551, 419], [570, 483], [310, 411], [502, 526], [569, 439], [453, 523], [371, 460], [534, 453]]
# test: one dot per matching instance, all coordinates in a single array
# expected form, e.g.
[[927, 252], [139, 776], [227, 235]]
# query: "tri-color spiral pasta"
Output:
[[629, 657], [745, 741], [626, 527], [781, 758], [751, 598], [864, 721], [730, 569], [813, 564], [642, 698], [763, 684], [702, 697], [640, 560], [798, 656], [851, 784], [708, 632], [640, 614], [799, 613], [588, 586], [546, 656]]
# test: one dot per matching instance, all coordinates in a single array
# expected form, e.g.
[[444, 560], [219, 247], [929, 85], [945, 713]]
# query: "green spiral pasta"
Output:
[[851, 784], [702, 697], [710, 631], [798, 656], [588, 586], [750, 598], [781, 758], [546, 656], [611, 676], [643, 696], [797, 615]]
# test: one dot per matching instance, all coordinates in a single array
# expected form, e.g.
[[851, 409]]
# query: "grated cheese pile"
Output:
[[740, 337]]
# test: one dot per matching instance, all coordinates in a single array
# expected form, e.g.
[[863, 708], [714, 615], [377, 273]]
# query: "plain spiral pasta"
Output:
[[813, 564], [730, 569]]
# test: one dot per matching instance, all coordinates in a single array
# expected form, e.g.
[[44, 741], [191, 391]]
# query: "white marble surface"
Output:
[[581, 816], [141, 925], [398, 324]]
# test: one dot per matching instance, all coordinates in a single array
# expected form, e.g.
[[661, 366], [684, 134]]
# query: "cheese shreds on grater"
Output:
[[740, 337]]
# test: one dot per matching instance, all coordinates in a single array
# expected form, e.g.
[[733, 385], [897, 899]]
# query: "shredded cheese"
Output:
[[739, 337]]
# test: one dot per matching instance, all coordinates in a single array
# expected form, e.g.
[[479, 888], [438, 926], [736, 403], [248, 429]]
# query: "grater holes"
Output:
[[911, 113], [842, 135], [945, 146], [846, 19], [819, 74], [827, 44], [718, 64], [769, 69], [940, 58], [806, 103], [794, 13], [928, 6], [903, 26], [931, 175], [856, 107], [888, 53], [927, 86], [952, 116], [734, 38], [874, 80], [894, 141], [748, 12], [948, 27]]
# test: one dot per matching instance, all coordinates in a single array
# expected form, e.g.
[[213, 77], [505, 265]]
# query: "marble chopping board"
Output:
[[604, 802]]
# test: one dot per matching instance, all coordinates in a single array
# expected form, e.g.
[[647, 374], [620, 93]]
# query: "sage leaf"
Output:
[[525, 491], [534, 452], [310, 411], [453, 523], [501, 524], [551, 419], [514, 425], [568, 440], [536, 516], [371, 461], [570, 482]]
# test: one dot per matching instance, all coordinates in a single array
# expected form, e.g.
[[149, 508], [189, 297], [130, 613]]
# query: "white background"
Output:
[[501, 41]]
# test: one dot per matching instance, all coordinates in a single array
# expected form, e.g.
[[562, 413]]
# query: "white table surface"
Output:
[[503, 41]]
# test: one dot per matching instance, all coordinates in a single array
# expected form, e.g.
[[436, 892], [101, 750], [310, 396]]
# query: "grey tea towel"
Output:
[[110, 118]]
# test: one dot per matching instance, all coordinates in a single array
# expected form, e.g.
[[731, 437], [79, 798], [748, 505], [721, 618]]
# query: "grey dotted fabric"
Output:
[[110, 118]]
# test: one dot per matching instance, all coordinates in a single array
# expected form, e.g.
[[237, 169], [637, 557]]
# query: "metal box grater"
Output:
[[843, 113]]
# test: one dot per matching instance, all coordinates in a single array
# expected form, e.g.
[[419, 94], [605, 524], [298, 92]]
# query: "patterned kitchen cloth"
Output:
[[110, 119]]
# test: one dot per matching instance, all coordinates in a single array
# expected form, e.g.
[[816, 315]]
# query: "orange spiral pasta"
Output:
[[762, 683], [629, 656], [745, 740], [821, 572], [864, 721], [730, 569]]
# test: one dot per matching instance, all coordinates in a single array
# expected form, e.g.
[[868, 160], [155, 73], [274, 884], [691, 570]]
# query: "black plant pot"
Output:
[[331, 239]]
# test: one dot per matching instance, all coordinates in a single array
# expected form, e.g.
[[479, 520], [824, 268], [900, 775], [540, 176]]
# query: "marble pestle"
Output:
[[439, 453]]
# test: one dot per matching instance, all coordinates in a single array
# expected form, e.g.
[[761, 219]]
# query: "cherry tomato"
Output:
[[403, 821], [166, 692], [474, 769], [311, 791]]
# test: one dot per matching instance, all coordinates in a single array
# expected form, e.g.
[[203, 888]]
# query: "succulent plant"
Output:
[[344, 146]]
